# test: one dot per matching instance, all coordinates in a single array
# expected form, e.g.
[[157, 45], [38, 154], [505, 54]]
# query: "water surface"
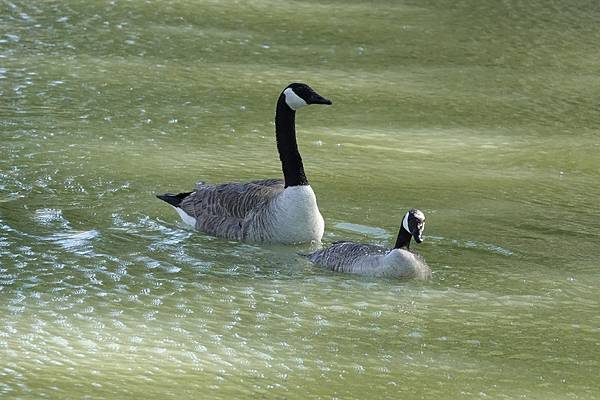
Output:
[[483, 114]]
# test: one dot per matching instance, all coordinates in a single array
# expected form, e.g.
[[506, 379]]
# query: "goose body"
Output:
[[374, 260], [271, 210]]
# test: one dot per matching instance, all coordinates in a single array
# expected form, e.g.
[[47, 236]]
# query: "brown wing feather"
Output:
[[222, 209], [342, 254]]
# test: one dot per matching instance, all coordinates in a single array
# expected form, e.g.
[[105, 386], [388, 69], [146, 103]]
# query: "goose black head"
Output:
[[414, 223], [298, 95]]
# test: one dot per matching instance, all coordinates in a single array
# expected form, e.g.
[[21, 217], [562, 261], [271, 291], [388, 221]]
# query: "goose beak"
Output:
[[318, 99], [418, 235]]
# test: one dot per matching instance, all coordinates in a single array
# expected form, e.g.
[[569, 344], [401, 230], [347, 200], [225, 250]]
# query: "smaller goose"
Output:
[[373, 260]]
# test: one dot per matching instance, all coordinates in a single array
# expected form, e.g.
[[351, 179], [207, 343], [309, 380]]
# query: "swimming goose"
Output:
[[272, 210], [373, 260]]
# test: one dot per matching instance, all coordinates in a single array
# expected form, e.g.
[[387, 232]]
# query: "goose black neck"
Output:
[[403, 240], [285, 132]]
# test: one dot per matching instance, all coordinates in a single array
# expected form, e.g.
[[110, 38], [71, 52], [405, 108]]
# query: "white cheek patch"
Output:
[[419, 215], [293, 100], [405, 223]]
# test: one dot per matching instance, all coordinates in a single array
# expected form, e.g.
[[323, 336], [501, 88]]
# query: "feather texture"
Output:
[[260, 210], [372, 260], [269, 210]]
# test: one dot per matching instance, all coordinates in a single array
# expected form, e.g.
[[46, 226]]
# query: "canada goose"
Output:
[[373, 260], [270, 210]]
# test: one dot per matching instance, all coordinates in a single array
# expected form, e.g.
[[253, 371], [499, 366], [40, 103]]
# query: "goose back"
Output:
[[345, 256], [262, 210], [372, 260]]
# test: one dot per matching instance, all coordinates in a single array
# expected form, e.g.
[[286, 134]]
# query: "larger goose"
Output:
[[373, 260], [272, 210]]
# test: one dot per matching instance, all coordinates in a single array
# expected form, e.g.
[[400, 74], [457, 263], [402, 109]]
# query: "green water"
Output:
[[483, 114]]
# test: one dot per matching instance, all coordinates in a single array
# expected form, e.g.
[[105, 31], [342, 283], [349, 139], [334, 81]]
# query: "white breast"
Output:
[[297, 217], [402, 263]]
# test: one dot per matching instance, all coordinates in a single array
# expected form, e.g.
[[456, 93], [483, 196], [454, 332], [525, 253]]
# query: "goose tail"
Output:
[[173, 199]]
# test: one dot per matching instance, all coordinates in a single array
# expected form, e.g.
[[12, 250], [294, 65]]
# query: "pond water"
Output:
[[483, 114]]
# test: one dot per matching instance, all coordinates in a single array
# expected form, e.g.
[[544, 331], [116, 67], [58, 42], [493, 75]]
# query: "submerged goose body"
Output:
[[271, 210], [373, 260]]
